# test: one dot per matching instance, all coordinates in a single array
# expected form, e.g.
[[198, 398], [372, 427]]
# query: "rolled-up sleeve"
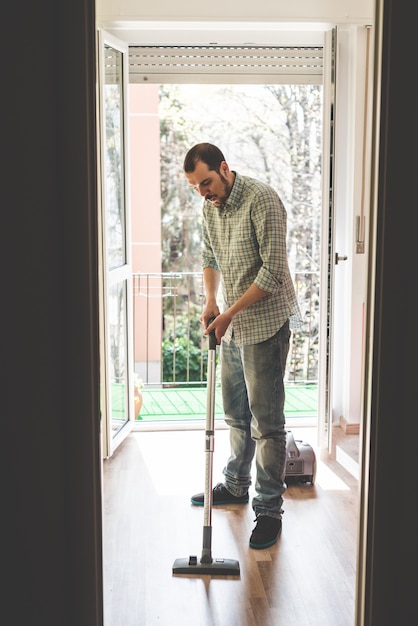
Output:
[[208, 256], [269, 219]]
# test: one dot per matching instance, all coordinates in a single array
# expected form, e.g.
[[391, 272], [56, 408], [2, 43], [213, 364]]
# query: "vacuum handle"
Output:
[[212, 337], [292, 450]]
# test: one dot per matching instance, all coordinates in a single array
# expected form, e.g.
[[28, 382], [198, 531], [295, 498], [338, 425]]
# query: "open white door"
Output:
[[327, 239], [117, 402]]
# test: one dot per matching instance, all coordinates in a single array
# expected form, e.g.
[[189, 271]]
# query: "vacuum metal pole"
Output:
[[209, 448], [208, 565]]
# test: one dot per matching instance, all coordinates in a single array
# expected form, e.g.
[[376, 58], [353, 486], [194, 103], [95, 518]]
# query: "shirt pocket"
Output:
[[245, 230]]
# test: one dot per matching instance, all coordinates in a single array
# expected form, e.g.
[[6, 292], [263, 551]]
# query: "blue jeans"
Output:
[[253, 401]]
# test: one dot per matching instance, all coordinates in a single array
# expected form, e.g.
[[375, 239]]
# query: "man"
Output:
[[244, 250]]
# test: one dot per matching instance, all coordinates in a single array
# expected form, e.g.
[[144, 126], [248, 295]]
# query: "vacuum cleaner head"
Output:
[[194, 566]]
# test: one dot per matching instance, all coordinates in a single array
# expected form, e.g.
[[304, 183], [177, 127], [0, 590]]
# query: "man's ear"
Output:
[[224, 168]]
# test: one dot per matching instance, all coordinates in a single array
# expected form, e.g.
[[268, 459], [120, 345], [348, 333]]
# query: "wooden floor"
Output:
[[306, 579]]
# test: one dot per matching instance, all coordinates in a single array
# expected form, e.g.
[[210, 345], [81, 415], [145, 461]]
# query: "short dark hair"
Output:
[[205, 152]]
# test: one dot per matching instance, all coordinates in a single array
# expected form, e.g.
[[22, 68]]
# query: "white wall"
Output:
[[236, 22], [310, 11]]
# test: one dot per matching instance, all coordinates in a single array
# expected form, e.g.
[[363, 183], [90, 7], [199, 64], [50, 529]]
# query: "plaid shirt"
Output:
[[245, 240]]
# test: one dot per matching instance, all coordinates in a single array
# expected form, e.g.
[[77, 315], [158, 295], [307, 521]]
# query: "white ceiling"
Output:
[[219, 33]]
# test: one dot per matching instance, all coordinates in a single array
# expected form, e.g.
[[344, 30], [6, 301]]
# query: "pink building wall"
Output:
[[144, 147]]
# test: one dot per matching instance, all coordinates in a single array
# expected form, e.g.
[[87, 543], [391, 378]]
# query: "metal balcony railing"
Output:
[[170, 348]]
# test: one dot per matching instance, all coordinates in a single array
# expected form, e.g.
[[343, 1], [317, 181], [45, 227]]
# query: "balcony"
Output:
[[170, 350]]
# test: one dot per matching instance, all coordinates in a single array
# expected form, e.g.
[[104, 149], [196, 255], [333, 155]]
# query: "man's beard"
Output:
[[220, 200]]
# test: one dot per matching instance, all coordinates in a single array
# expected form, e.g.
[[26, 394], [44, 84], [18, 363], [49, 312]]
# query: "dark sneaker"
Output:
[[265, 532], [220, 495]]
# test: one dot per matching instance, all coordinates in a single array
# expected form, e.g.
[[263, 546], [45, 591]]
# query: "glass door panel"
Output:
[[116, 332], [118, 356]]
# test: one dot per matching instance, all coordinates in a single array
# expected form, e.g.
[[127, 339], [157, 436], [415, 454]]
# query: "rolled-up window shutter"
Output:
[[225, 64]]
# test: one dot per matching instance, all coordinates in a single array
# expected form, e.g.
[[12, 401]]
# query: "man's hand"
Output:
[[208, 315], [219, 325]]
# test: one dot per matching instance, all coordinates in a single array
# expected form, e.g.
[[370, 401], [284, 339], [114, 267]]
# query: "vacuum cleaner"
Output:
[[207, 564]]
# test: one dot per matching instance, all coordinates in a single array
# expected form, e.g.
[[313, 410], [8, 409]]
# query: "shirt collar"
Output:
[[233, 201]]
